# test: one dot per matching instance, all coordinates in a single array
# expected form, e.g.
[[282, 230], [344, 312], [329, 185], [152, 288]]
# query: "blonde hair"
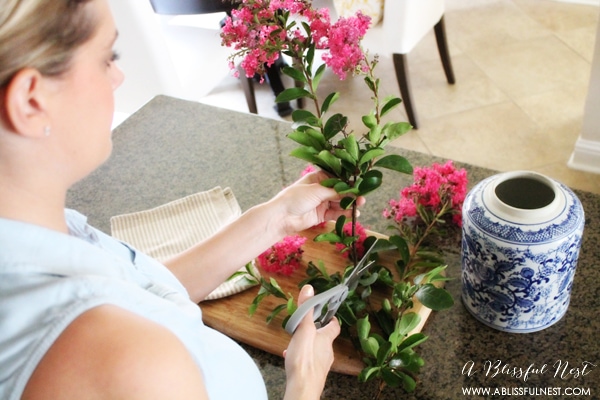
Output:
[[41, 34]]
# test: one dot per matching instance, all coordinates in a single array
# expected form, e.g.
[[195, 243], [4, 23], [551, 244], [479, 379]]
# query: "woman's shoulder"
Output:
[[113, 352]]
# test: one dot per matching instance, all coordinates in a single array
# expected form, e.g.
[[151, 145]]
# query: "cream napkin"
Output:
[[171, 228]]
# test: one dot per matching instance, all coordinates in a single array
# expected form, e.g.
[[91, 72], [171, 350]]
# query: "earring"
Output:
[[47, 130]]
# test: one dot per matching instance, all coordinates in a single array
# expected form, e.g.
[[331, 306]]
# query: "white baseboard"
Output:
[[586, 156], [586, 2]]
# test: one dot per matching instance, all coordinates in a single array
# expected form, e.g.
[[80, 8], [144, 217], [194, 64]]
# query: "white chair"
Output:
[[166, 55], [405, 23]]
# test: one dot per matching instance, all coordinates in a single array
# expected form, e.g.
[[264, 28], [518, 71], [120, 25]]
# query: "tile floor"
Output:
[[522, 69]]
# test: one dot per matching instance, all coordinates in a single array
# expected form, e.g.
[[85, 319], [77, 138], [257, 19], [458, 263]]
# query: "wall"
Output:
[[586, 155]]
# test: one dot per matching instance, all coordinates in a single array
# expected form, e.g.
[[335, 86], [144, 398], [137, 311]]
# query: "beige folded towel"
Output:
[[169, 229]]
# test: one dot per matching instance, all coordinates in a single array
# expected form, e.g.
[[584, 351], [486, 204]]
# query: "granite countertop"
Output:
[[172, 148]]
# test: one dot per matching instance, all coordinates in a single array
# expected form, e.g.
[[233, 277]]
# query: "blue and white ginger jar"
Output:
[[521, 237]]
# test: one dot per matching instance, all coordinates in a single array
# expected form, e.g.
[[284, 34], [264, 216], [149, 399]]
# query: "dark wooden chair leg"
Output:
[[248, 87], [401, 67], [274, 77], [440, 37]]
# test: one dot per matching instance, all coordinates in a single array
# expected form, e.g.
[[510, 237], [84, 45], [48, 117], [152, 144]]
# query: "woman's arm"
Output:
[[110, 353], [304, 204]]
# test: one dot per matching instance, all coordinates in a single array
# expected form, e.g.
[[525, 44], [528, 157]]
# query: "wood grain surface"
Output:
[[230, 315]]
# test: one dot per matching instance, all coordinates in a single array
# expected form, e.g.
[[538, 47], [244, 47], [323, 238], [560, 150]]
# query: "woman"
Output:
[[82, 315]]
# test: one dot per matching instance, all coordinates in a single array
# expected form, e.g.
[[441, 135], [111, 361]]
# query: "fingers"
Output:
[[306, 292], [332, 329], [313, 177], [307, 322], [329, 332]]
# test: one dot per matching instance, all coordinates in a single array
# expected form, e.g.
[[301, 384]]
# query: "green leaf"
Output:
[[345, 156], [347, 202], [310, 54], [291, 306], [385, 321], [383, 352], [329, 100], [436, 274], [386, 306], [305, 116], [339, 225], [371, 154], [334, 124], [330, 182], [351, 146], [331, 161], [342, 187], [375, 134], [318, 136], [431, 256], [370, 346], [371, 181], [395, 163], [393, 130], [292, 94], [328, 237], [412, 341], [391, 377], [370, 83], [402, 247], [381, 244], [306, 153], [395, 377], [275, 311], [318, 76], [346, 314], [408, 322], [435, 298], [363, 328], [369, 121], [294, 73], [389, 105], [277, 291], [368, 373], [305, 140]]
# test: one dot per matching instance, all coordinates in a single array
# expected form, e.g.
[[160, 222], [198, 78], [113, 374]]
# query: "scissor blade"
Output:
[[360, 268], [332, 298]]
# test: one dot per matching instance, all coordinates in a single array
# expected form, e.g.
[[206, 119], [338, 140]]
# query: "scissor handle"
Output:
[[333, 298]]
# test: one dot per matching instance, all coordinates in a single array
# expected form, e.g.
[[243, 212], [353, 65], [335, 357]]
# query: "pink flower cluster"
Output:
[[283, 257], [342, 39], [307, 170], [441, 189], [258, 34], [359, 231]]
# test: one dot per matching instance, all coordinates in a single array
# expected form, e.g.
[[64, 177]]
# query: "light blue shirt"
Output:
[[47, 279]]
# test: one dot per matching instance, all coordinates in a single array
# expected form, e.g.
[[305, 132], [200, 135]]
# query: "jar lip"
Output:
[[524, 215]]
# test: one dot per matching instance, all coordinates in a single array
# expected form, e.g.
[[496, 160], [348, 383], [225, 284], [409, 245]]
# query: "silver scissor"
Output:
[[332, 298]]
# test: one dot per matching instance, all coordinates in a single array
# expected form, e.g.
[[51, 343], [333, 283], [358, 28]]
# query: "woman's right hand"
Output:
[[309, 355]]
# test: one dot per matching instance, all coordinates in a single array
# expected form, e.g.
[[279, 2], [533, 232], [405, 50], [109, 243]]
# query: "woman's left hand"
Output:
[[307, 203]]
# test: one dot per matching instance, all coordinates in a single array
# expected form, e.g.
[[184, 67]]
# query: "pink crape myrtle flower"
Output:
[[293, 6], [257, 34], [345, 53], [284, 257], [441, 187], [320, 25], [359, 231], [309, 168]]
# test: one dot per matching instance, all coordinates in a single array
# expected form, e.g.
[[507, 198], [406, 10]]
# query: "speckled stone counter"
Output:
[[172, 148]]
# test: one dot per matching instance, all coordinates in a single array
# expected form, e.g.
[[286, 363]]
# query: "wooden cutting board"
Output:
[[229, 315]]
